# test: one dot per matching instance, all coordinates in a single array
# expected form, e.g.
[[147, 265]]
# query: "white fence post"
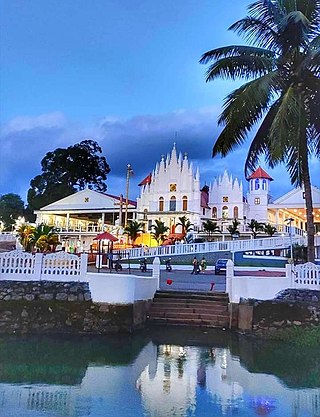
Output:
[[38, 266], [83, 265], [156, 271], [229, 277], [290, 275]]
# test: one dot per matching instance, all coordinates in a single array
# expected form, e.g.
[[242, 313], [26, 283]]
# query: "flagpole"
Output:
[[129, 171]]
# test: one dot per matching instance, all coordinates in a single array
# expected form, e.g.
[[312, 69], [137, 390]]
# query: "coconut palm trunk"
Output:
[[309, 210]]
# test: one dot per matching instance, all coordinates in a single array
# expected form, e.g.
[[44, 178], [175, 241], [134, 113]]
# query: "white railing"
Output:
[[307, 276], [205, 247], [60, 266], [7, 237]]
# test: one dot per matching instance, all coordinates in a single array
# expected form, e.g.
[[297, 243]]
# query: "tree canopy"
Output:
[[11, 207], [280, 98], [67, 170]]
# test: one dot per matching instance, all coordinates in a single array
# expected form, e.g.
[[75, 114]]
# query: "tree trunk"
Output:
[[309, 208]]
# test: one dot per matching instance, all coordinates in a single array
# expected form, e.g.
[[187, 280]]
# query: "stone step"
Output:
[[188, 315], [174, 303], [218, 322], [196, 308], [210, 296]]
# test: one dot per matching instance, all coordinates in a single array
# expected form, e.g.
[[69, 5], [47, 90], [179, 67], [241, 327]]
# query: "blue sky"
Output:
[[122, 72]]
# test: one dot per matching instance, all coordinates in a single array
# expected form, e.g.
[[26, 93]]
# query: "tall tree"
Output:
[[11, 208], [67, 170], [233, 228], [160, 231], [282, 64]]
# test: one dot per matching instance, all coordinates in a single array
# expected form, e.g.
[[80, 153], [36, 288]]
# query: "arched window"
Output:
[[214, 212], [173, 203], [264, 184], [161, 203], [145, 213], [225, 212], [257, 184], [184, 203], [251, 185], [236, 212]]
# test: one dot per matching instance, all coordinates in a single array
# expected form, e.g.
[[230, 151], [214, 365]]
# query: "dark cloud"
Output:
[[139, 141]]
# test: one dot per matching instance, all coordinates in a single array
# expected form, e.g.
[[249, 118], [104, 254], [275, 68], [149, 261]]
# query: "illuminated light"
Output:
[[295, 210]]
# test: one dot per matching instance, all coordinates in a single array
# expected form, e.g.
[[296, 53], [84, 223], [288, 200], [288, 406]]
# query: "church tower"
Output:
[[259, 195], [171, 191]]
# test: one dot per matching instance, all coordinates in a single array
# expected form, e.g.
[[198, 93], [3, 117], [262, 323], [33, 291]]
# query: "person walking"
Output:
[[203, 264], [195, 264]]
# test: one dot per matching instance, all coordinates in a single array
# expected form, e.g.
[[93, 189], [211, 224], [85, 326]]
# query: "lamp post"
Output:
[[289, 221], [129, 173]]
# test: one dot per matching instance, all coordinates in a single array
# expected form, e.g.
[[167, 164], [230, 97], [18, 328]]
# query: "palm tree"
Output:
[[269, 229], [282, 66], [160, 231], [133, 229], [210, 227], [233, 228], [185, 224], [45, 238], [255, 227]]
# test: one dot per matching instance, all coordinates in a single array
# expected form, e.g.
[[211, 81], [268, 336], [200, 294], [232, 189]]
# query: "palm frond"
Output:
[[239, 67], [256, 32], [242, 109], [234, 50], [261, 143]]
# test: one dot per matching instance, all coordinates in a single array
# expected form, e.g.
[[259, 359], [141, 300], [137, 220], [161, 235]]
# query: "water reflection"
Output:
[[162, 373]]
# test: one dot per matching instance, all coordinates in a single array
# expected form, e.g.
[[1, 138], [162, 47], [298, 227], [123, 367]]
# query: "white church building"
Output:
[[173, 189]]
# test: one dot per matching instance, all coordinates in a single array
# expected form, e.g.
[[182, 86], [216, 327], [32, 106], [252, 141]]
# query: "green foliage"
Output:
[[269, 229], [299, 253], [133, 229], [41, 237], [281, 93], [233, 228], [64, 171], [160, 231], [11, 207], [256, 227], [185, 223], [210, 227]]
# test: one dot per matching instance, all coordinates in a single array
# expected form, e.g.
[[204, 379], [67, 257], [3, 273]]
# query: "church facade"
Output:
[[173, 189]]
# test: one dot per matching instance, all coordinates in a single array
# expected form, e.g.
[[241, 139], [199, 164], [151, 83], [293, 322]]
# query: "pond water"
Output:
[[162, 373]]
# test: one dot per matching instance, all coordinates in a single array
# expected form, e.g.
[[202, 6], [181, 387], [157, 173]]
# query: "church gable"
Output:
[[83, 200]]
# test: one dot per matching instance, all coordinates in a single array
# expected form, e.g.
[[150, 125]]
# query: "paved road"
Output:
[[180, 280]]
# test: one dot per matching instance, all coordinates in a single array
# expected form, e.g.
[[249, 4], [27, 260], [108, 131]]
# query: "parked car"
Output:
[[221, 266]]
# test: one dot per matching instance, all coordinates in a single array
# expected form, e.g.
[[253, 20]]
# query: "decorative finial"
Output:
[[185, 155], [162, 157]]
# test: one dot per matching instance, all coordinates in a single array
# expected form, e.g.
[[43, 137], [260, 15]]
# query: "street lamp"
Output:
[[129, 173], [289, 221]]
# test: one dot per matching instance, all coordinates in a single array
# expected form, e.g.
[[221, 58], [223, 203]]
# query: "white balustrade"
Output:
[[205, 247], [16, 262], [7, 237]]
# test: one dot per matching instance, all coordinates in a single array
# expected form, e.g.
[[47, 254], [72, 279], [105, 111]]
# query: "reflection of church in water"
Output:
[[164, 380]]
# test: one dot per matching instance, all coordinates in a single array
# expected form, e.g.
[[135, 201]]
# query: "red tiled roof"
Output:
[[259, 173], [146, 180]]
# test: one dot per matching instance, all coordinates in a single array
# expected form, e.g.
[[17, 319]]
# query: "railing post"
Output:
[[229, 277], [38, 266], [156, 271], [83, 266]]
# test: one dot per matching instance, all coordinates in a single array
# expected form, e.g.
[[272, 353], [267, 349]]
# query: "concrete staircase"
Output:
[[190, 309]]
